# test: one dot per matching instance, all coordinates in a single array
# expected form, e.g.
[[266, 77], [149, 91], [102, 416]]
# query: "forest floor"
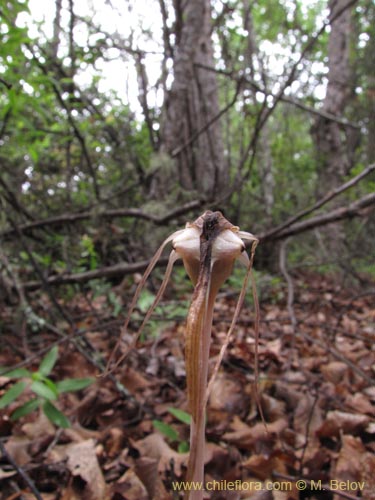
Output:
[[128, 442]]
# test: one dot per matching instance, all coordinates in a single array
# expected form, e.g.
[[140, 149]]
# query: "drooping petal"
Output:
[[134, 301], [187, 245], [227, 245]]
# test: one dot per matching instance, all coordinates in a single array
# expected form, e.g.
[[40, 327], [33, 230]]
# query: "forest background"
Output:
[[120, 121]]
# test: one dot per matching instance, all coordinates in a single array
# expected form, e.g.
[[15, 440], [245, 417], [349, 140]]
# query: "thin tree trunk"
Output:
[[329, 135], [264, 147], [334, 159], [192, 103]]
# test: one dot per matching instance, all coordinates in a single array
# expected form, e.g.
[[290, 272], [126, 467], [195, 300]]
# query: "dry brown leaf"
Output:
[[114, 442], [348, 466], [40, 428], [307, 415], [83, 464], [273, 408], [129, 487], [348, 463], [262, 466], [18, 449], [133, 380], [227, 394], [335, 371], [246, 437], [272, 349], [5, 475], [367, 467], [287, 393], [154, 446], [338, 421], [360, 403], [147, 470]]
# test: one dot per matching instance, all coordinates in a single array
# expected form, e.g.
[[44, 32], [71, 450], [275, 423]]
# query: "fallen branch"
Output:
[[354, 209], [108, 214], [326, 198], [115, 271]]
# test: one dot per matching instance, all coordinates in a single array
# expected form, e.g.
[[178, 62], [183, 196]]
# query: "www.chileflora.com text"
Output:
[[301, 484]]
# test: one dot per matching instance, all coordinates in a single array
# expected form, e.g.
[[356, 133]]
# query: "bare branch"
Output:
[[354, 209], [326, 198], [207, 125], [108, 214], [115, 271], [287, 99]]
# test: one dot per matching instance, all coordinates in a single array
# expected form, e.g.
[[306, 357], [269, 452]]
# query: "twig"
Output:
[[115, 271], [326, 198], [341, 213], [354, 209], [287, 99], [108, 214], [6, 84], [207, 125], [21, 472]]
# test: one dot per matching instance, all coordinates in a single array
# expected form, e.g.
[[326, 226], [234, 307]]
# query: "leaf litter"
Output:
[[316, 394]]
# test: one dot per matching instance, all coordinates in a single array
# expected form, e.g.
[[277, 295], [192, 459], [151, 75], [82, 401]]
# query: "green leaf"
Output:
[[51, 385], [183, 447], [55, 415], [48, 362], [43, 390], [25, 409], [181, 415], [165, 429], [73, 384], [12, 394], [145, 300], [16, 373]]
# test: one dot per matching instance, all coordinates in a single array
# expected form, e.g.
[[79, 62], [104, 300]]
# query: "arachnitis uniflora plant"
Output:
[[208, 247]]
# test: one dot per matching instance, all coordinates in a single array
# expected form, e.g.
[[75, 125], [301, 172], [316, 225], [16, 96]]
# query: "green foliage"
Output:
[[170, 432], [103, 288], [88, 253], [40, 385], [165, 429], [181, 415]]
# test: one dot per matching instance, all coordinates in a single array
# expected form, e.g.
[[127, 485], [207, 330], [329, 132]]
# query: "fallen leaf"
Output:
[[129, 487], [154, 446], [360, 403], [83, 464], [367, 467], [339, 421], [227, 394], [273, 408], [348, 464], [147, 470], [335, 371], [18, 449], [245, 436]]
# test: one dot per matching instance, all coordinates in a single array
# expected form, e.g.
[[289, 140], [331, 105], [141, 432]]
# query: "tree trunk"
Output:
[[264, 147], [332, 147], [329, 136], [192, 104]]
